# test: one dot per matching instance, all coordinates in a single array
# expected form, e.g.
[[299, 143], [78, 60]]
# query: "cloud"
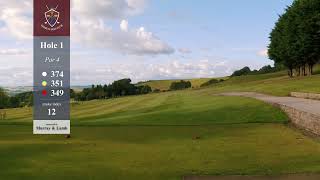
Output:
[[89, 25], [107, 9], [263, 53], [139, 71], [16, 18], [184, 50], [124, 25], [14, 51], [17, 70], [127, 41], [16, 67]]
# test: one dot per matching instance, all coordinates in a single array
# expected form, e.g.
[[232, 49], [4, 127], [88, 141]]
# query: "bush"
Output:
[[244, 71], [211, 81], [118, 88], [180, 85]]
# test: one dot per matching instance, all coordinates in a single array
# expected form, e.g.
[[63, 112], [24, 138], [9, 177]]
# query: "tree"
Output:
[[179, 85], [122, 87], [295, 39], [244, 71], [210, 82], [4, 99]]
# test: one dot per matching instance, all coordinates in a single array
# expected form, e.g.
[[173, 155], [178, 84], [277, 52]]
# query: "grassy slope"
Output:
[[276, 84], [232, 142], [172, 108]]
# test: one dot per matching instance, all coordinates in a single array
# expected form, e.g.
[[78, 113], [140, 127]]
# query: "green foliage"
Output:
[[244, 71], [156, 90], [212, 81], [180, 85], [295, 38], [19, 100], [164, 85], [264, 70], [4, 99], [118, 88]]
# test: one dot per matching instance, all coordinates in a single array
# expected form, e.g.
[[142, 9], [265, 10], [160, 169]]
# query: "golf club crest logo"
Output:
[[52, 19]]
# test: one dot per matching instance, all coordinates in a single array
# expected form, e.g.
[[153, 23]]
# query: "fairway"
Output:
[[158, 136], [165, 152], [172, 108]]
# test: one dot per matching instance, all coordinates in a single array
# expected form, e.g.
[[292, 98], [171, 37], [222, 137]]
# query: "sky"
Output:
[[145, 39]]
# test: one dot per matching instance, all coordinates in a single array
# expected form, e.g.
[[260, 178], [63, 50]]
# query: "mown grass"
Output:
[[154, 136], [156, 152], [172, 108]]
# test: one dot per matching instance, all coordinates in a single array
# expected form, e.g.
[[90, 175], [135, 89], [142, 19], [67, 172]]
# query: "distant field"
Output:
[[274, 83], [165, 84]]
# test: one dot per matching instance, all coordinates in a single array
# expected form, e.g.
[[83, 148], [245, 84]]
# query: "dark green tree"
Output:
[[294, 41]]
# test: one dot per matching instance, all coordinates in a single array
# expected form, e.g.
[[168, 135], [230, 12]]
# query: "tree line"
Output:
[[295, 39], [19, 100], [119, 88], [179, 85], [264, 70]]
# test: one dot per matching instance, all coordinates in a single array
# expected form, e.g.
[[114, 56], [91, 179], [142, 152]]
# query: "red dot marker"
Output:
[[44, 92]]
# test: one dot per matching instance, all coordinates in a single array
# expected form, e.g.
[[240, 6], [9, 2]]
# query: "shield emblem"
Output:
[[52, 17]]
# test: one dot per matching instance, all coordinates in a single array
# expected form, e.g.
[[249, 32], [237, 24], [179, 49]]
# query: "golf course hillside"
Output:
[[278, 83], [166, 135], [164, 85]]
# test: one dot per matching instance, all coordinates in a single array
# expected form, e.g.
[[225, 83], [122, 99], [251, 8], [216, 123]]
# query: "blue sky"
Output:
[[146, 39]]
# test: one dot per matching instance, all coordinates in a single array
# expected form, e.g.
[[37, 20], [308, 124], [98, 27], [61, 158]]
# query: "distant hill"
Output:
[[165, 84], [20, 89]]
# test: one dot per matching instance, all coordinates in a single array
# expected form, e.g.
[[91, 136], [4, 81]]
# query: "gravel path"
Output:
[[306, 105]]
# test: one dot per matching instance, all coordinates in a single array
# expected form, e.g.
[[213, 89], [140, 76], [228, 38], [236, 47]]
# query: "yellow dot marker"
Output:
[[44, 83]]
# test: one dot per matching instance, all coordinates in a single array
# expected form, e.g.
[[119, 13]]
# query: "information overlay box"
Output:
[[51, 67]]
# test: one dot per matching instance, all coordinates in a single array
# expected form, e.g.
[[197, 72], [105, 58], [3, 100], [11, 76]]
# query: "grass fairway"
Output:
[[166, 152], [153, 137], [172, 108]]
